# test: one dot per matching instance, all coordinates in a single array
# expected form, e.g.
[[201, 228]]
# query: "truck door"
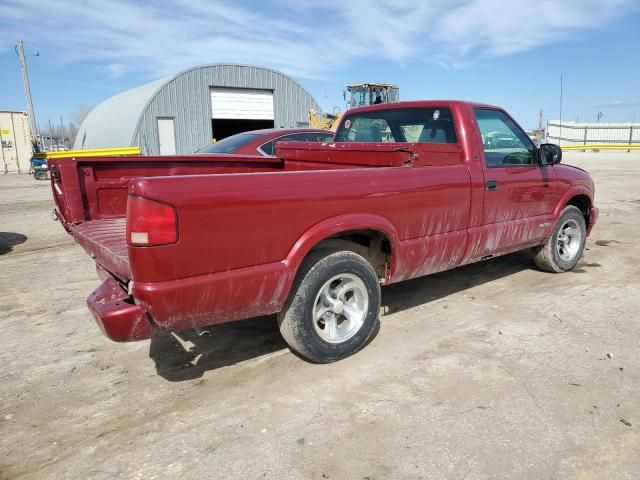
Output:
[[520, 193]]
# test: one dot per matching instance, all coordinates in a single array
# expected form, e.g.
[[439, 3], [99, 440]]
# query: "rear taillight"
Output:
[[150, 222]]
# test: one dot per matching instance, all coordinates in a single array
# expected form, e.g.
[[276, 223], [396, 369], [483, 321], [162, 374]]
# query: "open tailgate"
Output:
[[105, 240]]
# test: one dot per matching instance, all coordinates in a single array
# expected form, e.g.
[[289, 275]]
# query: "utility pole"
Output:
[[51, 137], [40, 138], [27, 89], [539, 134], [560, 134], [62, 129]]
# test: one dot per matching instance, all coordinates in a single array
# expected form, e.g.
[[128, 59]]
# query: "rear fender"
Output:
[[334, 226]]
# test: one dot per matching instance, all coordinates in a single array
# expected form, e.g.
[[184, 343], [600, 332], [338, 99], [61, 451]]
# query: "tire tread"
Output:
[[293, 310], [544, 255]]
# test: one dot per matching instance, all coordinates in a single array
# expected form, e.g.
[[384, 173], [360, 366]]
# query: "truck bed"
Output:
[[245, 223], [91, 198], [91, 192], [105, 241]]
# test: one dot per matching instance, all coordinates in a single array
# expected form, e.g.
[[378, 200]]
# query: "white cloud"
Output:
[[116, 70], [308, 40], [503, 27], [620, 104]]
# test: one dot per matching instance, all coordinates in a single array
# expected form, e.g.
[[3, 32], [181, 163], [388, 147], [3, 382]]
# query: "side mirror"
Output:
[[550, 154]]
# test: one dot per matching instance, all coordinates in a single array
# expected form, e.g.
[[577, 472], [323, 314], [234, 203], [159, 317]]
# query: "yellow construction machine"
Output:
[[360, 95]]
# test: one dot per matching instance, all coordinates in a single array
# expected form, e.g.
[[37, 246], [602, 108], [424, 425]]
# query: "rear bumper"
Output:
[[118, 317], [215, 298], [593, 217]]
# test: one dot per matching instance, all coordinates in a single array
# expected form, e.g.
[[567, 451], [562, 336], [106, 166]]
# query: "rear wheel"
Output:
[[333, 308], [563, 250]]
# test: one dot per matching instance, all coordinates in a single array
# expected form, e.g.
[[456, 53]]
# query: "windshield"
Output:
[[230, 144]]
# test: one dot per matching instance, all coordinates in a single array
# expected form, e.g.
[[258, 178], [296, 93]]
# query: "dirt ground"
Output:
[[496, 370]]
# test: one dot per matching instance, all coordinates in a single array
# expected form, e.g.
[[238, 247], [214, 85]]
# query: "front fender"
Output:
[[573, 191]]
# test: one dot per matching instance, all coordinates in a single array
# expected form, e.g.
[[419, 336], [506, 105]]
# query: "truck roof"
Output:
[[417, 104]]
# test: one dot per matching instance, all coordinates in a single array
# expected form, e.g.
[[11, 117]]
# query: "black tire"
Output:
[[41, 175], [551, 256], [297, 318]]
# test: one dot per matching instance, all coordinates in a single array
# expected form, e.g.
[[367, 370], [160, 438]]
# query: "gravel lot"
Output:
[[495, 370]]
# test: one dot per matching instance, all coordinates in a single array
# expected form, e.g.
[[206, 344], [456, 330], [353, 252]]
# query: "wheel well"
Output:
[[371, 244], [583, 203]]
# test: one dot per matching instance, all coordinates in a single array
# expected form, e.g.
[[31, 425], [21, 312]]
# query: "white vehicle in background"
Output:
[[495, 140]]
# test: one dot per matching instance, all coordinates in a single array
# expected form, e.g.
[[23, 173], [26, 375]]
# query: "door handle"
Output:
[[492, 185]]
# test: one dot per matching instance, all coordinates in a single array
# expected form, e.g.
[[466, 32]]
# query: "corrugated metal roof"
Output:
[[112, 122], [130, 118]]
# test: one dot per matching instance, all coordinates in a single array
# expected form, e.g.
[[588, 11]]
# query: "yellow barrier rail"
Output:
[[97, 152], [606, 146]]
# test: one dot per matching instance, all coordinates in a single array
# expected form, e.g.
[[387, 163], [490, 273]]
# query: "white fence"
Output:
[[573, 133]]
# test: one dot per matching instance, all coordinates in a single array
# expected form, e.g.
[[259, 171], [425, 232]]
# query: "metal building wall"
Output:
[[111, 123], [16, 149], [572, 133], [186, 98]]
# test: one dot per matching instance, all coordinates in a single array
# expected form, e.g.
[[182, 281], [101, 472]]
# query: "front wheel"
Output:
[[333, 308], [41, 175], [563, 250]]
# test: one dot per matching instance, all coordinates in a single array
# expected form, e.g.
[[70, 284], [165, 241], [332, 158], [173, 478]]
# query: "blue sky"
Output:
[[509, 53]]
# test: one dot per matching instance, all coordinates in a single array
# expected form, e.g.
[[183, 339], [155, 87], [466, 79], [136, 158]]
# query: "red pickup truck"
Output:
[[403, 190]]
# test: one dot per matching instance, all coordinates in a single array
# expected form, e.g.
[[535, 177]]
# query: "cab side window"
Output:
[[504, 143], [269, 148]]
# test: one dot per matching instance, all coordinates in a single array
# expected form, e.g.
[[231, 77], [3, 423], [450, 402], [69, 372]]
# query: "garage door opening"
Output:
[[225, 128], [236, 110]]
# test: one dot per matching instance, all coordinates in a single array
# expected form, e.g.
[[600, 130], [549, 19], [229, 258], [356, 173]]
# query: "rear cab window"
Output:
[[412, 125]]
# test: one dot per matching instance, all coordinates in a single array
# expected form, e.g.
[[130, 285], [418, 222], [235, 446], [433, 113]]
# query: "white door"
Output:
[[241, 104], [167, 136]]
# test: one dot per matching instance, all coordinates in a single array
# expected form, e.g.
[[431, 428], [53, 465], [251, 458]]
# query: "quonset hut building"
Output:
[[184, 112]]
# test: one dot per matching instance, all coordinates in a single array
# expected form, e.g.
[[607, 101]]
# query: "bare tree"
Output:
[[80, 113], [77, 117], [54, 135]]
